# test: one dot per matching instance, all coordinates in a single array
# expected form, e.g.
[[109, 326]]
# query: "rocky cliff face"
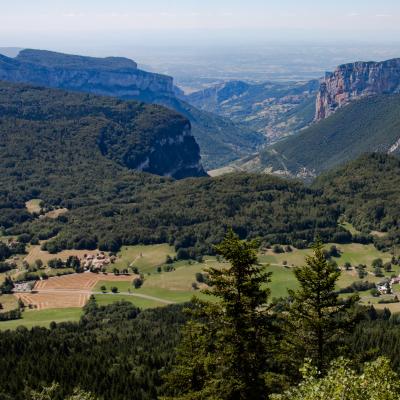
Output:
[[112, 76], [167, 149], [177, 157], [353, 81]]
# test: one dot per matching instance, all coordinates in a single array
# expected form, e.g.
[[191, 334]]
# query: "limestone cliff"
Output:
[[353, 81], [113, 76]]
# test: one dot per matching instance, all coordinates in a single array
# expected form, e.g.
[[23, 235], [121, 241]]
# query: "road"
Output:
[[89, 292]]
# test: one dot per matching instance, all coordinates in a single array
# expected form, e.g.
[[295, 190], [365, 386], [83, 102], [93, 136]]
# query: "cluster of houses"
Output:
[[98, 262], [386, 287], [23, 287]]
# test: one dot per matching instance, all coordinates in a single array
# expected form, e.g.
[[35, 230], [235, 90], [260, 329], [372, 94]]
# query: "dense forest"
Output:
[[48, 125], [368, 192], [194, 214], [115, 351]]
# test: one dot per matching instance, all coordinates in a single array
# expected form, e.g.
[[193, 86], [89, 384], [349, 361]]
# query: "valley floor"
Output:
[[60, 299]]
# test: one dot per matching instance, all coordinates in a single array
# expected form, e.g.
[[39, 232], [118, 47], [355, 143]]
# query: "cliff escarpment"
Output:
[[353, 81], [113, 76]]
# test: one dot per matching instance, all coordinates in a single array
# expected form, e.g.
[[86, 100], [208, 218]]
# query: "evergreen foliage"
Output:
[[368, 192], [115, 352], [317, 320], [224, 354]]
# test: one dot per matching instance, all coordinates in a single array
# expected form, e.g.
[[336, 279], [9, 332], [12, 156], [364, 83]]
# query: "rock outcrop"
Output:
[[353, 81], [112, 76]]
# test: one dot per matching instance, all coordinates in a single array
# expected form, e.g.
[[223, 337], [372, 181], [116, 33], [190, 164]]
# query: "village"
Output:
[[88, 263]]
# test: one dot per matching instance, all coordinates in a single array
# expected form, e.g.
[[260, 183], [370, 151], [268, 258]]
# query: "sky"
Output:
[[73, 23]]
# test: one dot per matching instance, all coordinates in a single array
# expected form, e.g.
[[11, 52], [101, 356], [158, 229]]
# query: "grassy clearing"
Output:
[[177, 296], [56, 213], [3, 276], [104, 299], [35, 253], [121, 286], [43, 318], [282, 279], [33, 206], [6, 238], [8, 301], [180, 279], [354, 253], [153, 289], [350, 228], [146, 258]]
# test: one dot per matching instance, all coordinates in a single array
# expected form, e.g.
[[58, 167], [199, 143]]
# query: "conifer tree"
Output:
[[317, 321], [224, 353]]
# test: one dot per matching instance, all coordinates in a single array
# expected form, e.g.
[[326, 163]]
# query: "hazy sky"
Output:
[[43, 23]]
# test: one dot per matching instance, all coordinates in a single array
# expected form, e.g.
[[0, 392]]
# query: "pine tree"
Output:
[[224, 353], [317, 320]]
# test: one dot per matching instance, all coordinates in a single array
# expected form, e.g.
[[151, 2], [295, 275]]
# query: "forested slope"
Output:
[[368, 192], [77, 151], [368, 125]]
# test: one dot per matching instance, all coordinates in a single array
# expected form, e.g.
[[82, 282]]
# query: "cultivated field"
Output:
[[42, 301], [85, 281], [8, 301], [43, 318], [146, 258], [66, 291]]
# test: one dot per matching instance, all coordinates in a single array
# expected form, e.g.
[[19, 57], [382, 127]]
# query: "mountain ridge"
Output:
[[220, 140]]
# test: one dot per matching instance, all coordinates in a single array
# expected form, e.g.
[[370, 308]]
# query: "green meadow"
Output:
[[176, 286]]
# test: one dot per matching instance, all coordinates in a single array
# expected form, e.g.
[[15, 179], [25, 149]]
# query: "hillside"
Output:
[[194, 214], [78, 147], [368, 191], [220, 140], [77, 152], [274, 110], [133, 135], [368, 125]]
